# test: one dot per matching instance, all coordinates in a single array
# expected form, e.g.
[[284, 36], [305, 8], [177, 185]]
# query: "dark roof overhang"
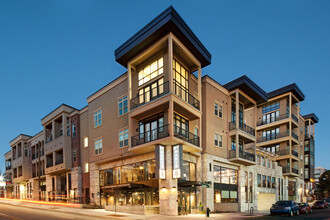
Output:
[[311, 116], [249, 87], [289, 88], [168, 21]]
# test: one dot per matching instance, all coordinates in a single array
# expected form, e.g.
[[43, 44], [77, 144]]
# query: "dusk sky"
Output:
[[54, 52]]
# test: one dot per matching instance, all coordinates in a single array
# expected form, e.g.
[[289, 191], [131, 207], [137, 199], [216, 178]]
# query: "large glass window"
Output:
[[122, 106], [181, 125], [98, 147], [268, 182], [123, 137], [151, 71], [151, 128], [98, 118], [271, 107], [188, 171], [259, 180], [224, 175], [271, 134], [228, 196], [180, 76], [264, 183], [151, 91]]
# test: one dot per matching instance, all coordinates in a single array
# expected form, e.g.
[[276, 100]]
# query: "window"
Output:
[[180, 77], [268, 181], [86, 168], [224, 175], [273, 149], [228, 196], [273, 182], [151, 91], [264, 184], [306, 159], [217, 196], [98, 147], [270, 134], [73, 130], [218, 110], [123, 138], [150, 71], [98, 118], [217, 140], [67, 126], [122, 106], [271, 107], [259, 180], [74, 155], [268, 163], [86, 142], [307, 173], [270, 117]]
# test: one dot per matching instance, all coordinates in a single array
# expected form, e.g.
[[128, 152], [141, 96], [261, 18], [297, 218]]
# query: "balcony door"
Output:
[[150, 128], [181, 126]]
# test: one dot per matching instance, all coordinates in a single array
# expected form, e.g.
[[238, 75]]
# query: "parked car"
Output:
[[285, 207], [320, 204], [328, 201], [304, 208]]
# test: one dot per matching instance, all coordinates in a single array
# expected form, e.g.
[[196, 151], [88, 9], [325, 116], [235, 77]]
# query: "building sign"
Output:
[[177, 161], [160, 161]]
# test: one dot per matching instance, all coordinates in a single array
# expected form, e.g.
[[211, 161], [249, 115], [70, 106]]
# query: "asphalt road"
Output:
[[19, 213], [317, 214]]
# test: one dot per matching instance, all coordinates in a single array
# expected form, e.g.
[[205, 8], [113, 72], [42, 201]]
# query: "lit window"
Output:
[[122, 106], [86, 168], [86, 142], [151, 71], [98, 147], [217, 140], [218, 110], [98, 118], [123, 138]]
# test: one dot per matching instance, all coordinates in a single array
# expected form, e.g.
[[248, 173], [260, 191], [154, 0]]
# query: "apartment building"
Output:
[[161, 138]]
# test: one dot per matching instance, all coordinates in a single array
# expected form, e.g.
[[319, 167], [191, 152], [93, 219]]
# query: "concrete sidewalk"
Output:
[[101, 213]]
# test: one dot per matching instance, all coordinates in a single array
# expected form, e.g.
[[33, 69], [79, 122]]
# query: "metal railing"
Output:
[[294, 135], [59, 159], [273, 119], [286, 169], [242, 154], [149, 136], [243, 127], [150, 95], [294, 170], [294, 117], [185, 95], [273, 137], [294, 153], [8, 167], [49, 163], [287, 152], [186, 135]]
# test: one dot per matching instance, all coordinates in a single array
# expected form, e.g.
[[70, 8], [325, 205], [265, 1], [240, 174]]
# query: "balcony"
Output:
[[149, 136], [49, 163], [185, 95], [186, 136], [287, 152], [150, 94], [59, 159], [295, 171], [273, 137], [242, 127], [286, 170], [273, 119], [294, 117], [8, 168], [248, 158], [294, 135]]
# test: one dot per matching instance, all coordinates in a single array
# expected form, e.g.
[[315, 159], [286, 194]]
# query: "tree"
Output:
[[323, 187]]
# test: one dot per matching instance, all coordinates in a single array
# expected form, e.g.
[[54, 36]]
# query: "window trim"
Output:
[[218, 133], [120, 97], [101, 117], [96, 139], [123, 129], [218, 103]]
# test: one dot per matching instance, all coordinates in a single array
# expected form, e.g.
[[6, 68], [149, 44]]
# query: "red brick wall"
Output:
[[75, 141]]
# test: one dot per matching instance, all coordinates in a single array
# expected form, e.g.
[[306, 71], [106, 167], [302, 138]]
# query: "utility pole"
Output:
[[38, 145]]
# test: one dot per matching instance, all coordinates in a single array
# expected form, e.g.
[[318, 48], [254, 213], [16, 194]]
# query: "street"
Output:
[[317, 214], [28, 213]]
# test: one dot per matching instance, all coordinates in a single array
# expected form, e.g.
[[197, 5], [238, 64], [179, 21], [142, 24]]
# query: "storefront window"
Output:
[[228, 196], [216, 174], [224, 175], [217, 196], [188, 171]]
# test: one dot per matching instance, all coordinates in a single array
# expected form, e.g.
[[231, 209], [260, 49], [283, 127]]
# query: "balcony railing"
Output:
[[49, 163], [287, 170], [59, 159], [294, 170], [185, 95], [151, 94], [149, 136], [8, 167], [294, 117], [243, 127], [287, 152], [186, 135], [294, 135], [273, 119], [273, 137], [242, 154]]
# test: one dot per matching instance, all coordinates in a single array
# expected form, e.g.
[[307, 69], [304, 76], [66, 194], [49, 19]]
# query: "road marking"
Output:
[[9, 217]]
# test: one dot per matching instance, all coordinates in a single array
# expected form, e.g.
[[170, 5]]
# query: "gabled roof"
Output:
[[58, 108], [168, 21], [311, 116], [245, 84], [289, 88]]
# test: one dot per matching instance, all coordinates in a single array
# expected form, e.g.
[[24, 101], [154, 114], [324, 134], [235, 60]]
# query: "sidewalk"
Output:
[[101, 213]]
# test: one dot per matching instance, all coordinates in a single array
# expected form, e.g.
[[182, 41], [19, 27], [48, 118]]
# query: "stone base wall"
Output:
[[134, 209]]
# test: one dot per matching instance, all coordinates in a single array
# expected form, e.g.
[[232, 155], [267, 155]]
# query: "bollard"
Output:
[[208, 212], [251, 211]]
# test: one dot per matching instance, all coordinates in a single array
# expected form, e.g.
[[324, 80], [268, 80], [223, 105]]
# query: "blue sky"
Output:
[[54, 52]]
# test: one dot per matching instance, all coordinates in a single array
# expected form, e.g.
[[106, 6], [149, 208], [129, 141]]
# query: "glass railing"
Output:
[[149, 136]]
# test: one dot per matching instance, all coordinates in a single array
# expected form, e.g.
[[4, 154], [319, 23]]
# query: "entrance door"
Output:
[[186, 200]]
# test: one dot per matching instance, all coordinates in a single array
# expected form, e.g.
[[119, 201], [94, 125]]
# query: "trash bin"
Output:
[[208, 212]]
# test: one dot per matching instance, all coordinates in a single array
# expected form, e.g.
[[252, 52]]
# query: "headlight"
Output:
[[287, 208]]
